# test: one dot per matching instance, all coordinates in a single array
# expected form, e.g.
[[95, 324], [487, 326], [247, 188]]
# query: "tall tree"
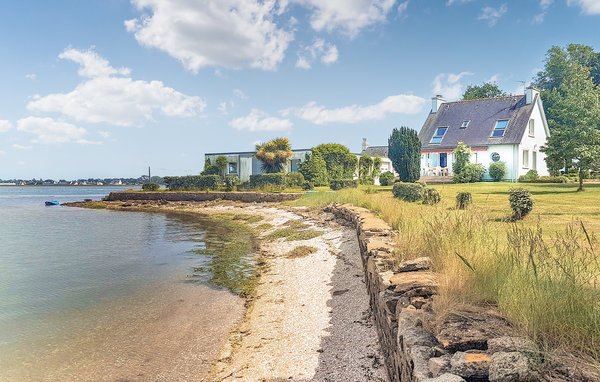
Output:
[[340, 163], [404, 150], [314, 169], [486, 90], [221, 163], [274, 154], [575, 124]]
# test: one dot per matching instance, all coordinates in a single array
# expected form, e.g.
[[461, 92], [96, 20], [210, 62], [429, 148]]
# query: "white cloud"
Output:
[[349, 17], [21, 147], [493, 79], [492, 15], [448, 85], [49, 131], [589, 7], [228, 33], [326, 52], [5, 125], [402, 103], [223, 107], [450, 2], [31, 76], [240, 94], [538, 18], [545, 4], [104, 134], [402, 8], [120, 101], [258, 120]]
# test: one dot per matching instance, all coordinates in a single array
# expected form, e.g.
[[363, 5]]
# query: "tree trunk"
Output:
[[580, 181]]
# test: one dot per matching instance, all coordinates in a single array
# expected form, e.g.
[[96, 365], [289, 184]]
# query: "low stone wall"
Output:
[[467, 344], [246, 197]]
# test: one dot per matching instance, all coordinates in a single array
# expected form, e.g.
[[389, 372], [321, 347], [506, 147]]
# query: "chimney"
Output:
[[364, 144], [436, 102], [530, 93]]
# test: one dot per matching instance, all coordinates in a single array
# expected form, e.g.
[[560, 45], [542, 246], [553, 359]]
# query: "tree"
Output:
[[462, 156], [340, 163], [365, 168], [274, 154], [221, 163], [575, 123], [209, 168], [486, 90], [404, 150], [314, 169]]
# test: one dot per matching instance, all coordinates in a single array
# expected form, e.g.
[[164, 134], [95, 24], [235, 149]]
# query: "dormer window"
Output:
[[464, 124], [439, 134], [500, 128]]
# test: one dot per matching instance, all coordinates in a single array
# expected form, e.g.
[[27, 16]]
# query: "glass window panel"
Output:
[[497, 133], [501, 124], [436, 140]]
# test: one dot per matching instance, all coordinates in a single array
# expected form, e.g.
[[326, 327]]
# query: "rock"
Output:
[[411, 332], [379, 245], [440, 365], [418, 302], [418, 283], [419, 264], [469, 327], [446, 377], [471, 366], [511, 367], [420, 356], [513, 344]]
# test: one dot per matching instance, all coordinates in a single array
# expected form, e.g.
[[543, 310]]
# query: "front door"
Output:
[[443, 160]]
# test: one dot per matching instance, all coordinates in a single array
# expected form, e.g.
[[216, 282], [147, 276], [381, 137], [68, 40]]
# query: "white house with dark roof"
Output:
[[508, 129]]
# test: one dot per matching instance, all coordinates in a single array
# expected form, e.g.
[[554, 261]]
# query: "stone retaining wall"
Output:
[[467, 344], [246, 197]]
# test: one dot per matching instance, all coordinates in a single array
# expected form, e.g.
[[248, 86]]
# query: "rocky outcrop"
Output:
[[246, 197], [419, 345]]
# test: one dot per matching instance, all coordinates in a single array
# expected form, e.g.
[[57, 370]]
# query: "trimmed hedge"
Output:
[[520, 202], [192, 182], [473, 172], [277, 179], [386, 179], [150, 186], [409, 192], [497, 171], [231, 182], [294, 179], [343, 183], [546, 179]]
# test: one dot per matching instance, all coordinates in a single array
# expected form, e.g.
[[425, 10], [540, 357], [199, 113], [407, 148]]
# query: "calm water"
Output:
[[57, 263]]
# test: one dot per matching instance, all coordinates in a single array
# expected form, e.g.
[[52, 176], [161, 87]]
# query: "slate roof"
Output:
[[482, 114], [382, 151]]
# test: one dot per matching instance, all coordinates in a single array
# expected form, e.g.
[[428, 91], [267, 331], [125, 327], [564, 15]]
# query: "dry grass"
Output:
[[301, 251], [542, 273]]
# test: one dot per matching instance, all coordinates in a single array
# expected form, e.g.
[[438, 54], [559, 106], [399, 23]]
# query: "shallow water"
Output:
[[89, 290]]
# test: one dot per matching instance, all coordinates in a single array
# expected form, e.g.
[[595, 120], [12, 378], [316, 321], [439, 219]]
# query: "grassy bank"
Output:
[[542, 273]]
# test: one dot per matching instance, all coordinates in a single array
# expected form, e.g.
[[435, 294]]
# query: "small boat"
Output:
[[52, 203]]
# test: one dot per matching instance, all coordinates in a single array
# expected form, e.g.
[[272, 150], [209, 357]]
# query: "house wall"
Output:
[[533, 144]]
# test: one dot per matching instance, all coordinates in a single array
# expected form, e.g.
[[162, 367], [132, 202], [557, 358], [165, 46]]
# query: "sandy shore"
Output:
[[310, 317]]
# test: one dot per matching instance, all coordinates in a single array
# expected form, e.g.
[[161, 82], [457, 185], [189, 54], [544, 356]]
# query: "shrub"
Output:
[[431, 196], [463, 200], [192, 182], [497, 171], [473, 172], [340, 163], [274, 155], [409, 192], [231, 182], [150, 186], [545, 179], [277, 179], [520, 202], [221, 164], [294, 179], [531, 176], [314, 169], [462, 155], [308, 186], [367, 180], [343, 183], [404, 150], [386, 178]]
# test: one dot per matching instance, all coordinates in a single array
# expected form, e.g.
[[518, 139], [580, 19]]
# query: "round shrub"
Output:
[[473, 172], [231, 182], [409, 192], [463, 200], [150, 186], [431, 196], [497, 171], [520, 202], [386, 179]]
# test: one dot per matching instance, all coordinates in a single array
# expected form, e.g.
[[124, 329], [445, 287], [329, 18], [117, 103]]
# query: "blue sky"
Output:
[[107, 87]]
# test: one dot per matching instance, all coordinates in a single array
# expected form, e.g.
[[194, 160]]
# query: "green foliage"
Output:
[[486, 90], [473, 172], [231, 182], [314, 169], [376, 166], [221, 164], [497, 171], [520, 202], [544, 179], [150, 186], [463, 200], [339, 162], [277, 180], [386, 179], [209, 169], [431, 196], [531, 176], [308, 186], [338, 184], [404, 150], [368, 169], [294, 179], [274, 155], [192, 182], [409, 192], [462, 156]]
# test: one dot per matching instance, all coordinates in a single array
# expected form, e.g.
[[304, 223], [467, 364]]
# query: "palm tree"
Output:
[[274, 154]]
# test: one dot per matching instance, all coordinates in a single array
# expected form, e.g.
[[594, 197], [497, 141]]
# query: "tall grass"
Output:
[[549, 286]]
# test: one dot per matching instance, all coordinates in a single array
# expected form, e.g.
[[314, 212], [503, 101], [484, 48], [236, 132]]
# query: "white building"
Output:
[[507, 129]]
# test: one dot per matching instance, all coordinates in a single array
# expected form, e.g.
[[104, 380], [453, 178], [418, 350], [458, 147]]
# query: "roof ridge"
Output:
[[485, 99]]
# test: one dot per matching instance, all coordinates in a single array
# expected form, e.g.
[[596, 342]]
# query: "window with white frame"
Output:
[[232, 168], [531, 128], [464, 124], [525, 158], [499, 128], [439, 135]]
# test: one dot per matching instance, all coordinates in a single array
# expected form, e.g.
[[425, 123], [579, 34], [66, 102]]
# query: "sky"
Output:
[[106, 88]]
